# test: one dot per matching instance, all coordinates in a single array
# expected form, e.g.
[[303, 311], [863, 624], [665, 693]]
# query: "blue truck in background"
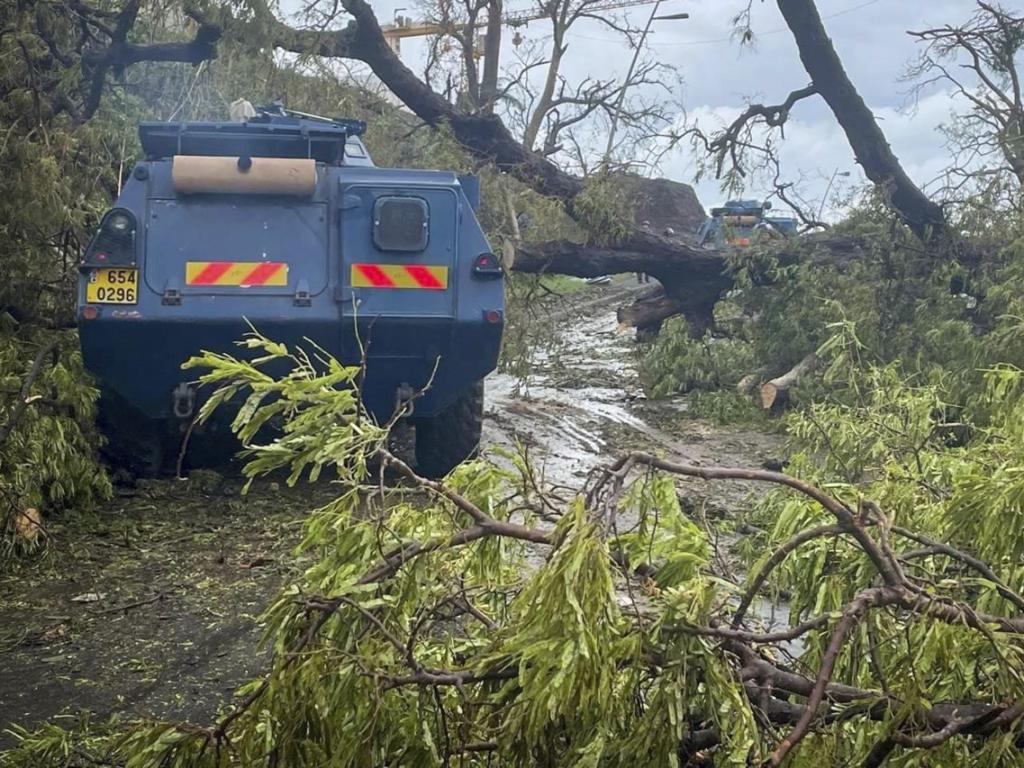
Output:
[[739, 223], [283, 221]]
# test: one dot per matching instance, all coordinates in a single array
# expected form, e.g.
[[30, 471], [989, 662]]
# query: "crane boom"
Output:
[[406, 27], [523, 17]]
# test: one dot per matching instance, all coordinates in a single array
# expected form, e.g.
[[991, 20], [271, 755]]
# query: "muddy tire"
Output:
[[446, 440]]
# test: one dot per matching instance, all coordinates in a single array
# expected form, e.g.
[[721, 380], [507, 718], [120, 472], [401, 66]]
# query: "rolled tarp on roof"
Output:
[[202, 174]]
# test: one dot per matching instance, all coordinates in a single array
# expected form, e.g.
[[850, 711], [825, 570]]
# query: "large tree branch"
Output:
[[724, 145], [118, 54], [485, 136], [24, 400], [869, 144]]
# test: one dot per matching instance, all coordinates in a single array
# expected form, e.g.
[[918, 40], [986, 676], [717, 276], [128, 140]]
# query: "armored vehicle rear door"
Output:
[[236, 245], [398, 253]]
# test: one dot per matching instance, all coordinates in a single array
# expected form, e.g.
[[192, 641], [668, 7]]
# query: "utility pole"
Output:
[[629, 74]]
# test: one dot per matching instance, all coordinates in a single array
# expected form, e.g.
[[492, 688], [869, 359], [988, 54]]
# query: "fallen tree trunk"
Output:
[[648, 314], [775, 393], [694, 278]]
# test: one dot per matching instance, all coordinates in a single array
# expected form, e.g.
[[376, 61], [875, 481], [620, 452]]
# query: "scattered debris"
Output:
[[136, 604], [179, 607], [89, 597], [257, 562], [28, 524]]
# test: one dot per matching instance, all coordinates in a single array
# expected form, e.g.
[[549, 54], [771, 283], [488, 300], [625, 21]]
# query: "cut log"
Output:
[[775, 393], [643, 314]]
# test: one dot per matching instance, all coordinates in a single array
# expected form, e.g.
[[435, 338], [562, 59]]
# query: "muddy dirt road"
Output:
[[583, 405], [150, 607]]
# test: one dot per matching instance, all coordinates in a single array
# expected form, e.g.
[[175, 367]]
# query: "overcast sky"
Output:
[[720, 76]]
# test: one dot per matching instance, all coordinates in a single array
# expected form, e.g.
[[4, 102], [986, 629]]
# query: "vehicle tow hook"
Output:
[[404, 403], [184, 398]]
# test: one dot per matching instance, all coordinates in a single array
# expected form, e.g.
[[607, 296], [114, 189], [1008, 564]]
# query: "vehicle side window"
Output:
[[401, 223]]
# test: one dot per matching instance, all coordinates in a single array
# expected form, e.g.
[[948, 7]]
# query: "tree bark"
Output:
[[468, 40], [924, 217]]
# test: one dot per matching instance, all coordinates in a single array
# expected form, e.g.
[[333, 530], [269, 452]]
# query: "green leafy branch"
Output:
[[484, 616]]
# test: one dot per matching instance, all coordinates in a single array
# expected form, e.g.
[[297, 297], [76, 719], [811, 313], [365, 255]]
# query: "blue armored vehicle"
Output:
[[740, 223], [284, 222]]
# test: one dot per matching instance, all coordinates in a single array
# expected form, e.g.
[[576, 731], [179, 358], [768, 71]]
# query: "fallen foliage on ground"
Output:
[[489, 617]]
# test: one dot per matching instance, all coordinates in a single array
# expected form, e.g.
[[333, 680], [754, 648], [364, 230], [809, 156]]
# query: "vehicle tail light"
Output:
[[113, 244], [486, 265]]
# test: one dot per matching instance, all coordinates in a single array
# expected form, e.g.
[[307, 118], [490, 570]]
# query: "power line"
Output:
[[731, 39]]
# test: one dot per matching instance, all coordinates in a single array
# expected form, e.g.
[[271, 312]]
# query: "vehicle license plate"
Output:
[[112, 286]]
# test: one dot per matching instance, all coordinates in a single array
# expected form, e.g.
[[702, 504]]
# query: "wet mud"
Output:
[[583, 406]]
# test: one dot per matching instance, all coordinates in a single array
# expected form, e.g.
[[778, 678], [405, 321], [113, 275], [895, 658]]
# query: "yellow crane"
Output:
[[407, 27]]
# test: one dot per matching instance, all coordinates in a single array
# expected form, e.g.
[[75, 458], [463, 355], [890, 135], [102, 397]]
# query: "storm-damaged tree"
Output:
[[693, 277], [562, 119], [979, 61]]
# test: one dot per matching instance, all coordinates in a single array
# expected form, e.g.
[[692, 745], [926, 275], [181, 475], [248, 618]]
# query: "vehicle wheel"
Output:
[[212, 446], [446, 440], [134, 444]]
